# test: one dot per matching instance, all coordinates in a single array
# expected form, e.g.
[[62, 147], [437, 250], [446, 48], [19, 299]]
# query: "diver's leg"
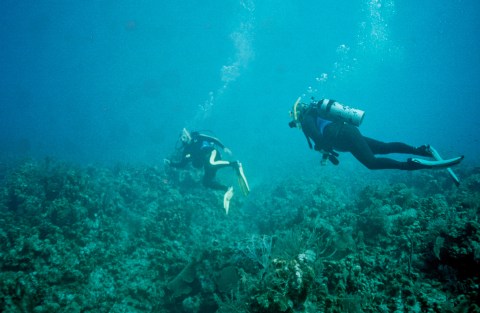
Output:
[[215, 160], [213, 164], [379, 147], [209, 179], [350, 139]]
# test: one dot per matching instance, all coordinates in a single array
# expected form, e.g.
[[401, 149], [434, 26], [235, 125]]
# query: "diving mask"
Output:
[[186, 138]]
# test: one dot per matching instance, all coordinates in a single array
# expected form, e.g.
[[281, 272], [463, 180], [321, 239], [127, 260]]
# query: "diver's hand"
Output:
[[227, 151]]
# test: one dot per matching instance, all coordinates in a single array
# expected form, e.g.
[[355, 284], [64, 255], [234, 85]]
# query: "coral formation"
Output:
[[139, 239]]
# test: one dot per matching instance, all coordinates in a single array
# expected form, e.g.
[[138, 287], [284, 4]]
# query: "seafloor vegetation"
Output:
[[139, 239]]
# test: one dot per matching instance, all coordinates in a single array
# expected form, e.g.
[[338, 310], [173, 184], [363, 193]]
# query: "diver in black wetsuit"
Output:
[[203, 151], [330, 136]]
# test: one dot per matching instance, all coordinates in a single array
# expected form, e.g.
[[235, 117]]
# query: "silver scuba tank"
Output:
[[334, 111]]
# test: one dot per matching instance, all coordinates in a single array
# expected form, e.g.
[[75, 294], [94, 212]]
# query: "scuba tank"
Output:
[[337, 112]]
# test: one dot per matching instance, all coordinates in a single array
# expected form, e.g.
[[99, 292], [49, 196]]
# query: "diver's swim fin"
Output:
[[437, 163], [242, 180], [437, 157], [226, 199]]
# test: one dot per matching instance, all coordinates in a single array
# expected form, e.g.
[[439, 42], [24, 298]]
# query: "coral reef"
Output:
[[139, 239]]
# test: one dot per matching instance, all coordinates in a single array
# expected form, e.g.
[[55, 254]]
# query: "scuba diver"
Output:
[[334, 127], [203, 151]]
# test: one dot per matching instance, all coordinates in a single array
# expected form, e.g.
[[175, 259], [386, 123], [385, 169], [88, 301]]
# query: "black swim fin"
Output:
[[422, 163], [437, 157]]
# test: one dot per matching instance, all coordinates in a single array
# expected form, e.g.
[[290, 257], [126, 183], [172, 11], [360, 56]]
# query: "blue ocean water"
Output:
[[109, 85], [116, 81]]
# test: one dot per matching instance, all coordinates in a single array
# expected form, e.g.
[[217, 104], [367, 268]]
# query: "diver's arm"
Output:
[[308, 124], [183, 162], [311, 131]]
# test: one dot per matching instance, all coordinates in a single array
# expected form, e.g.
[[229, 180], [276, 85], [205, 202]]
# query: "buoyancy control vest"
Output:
[[329, 110]]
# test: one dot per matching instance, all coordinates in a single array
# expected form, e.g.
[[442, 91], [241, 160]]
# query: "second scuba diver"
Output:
[[203, 151], [333, 127]]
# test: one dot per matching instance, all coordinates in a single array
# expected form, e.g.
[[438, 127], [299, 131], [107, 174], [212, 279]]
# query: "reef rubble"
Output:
[[142, 239]]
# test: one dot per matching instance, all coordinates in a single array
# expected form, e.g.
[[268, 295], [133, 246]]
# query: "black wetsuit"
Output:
[[199, 151], [334, 136]]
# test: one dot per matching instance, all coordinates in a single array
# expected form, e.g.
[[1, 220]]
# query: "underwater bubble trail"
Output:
[[242, 39], [375, 31], [373, 38]]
